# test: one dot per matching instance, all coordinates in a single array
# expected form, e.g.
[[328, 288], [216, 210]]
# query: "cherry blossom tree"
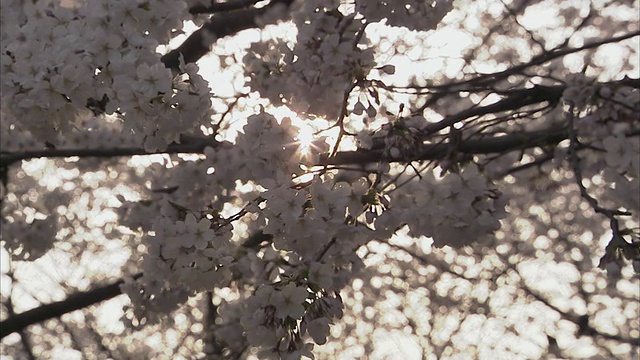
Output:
[[294, 178]]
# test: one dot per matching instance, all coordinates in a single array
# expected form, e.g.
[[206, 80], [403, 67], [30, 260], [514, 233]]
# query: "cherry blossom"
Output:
[[231, 196]]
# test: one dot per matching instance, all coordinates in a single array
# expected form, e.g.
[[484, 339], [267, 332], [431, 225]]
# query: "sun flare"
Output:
[[305, 139]]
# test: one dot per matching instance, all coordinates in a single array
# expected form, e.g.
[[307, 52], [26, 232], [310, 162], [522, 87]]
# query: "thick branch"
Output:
[[83, 299], [80, 300], [477, 146], [486, 145], [24, 337], [74, 302], [517, 100], [220, 25], [187, 145]]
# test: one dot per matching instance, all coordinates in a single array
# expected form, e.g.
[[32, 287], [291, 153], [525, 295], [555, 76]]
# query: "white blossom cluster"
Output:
[[316, 225], [617, 113], [325, 61], [300, 220], [603, 109], [607, 116], [139, 215], [151, 300], [401, 138], [101, 50], [580, 90], [193, 252], [456, 210], [99, 137], [267, 149], [283, 314], [183, 257], [18, 141]]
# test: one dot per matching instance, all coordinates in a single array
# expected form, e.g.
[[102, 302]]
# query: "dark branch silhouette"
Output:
[[74, 302], [236, 18], [484, 145], [80, 300], [187, 145]]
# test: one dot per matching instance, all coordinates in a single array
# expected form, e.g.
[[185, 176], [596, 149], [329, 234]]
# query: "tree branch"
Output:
[[547, 56], [581, 321], [519, 99], [188, 144], [220, 25], [24, 337], [80, 300], [486, 145], [74, 302]]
